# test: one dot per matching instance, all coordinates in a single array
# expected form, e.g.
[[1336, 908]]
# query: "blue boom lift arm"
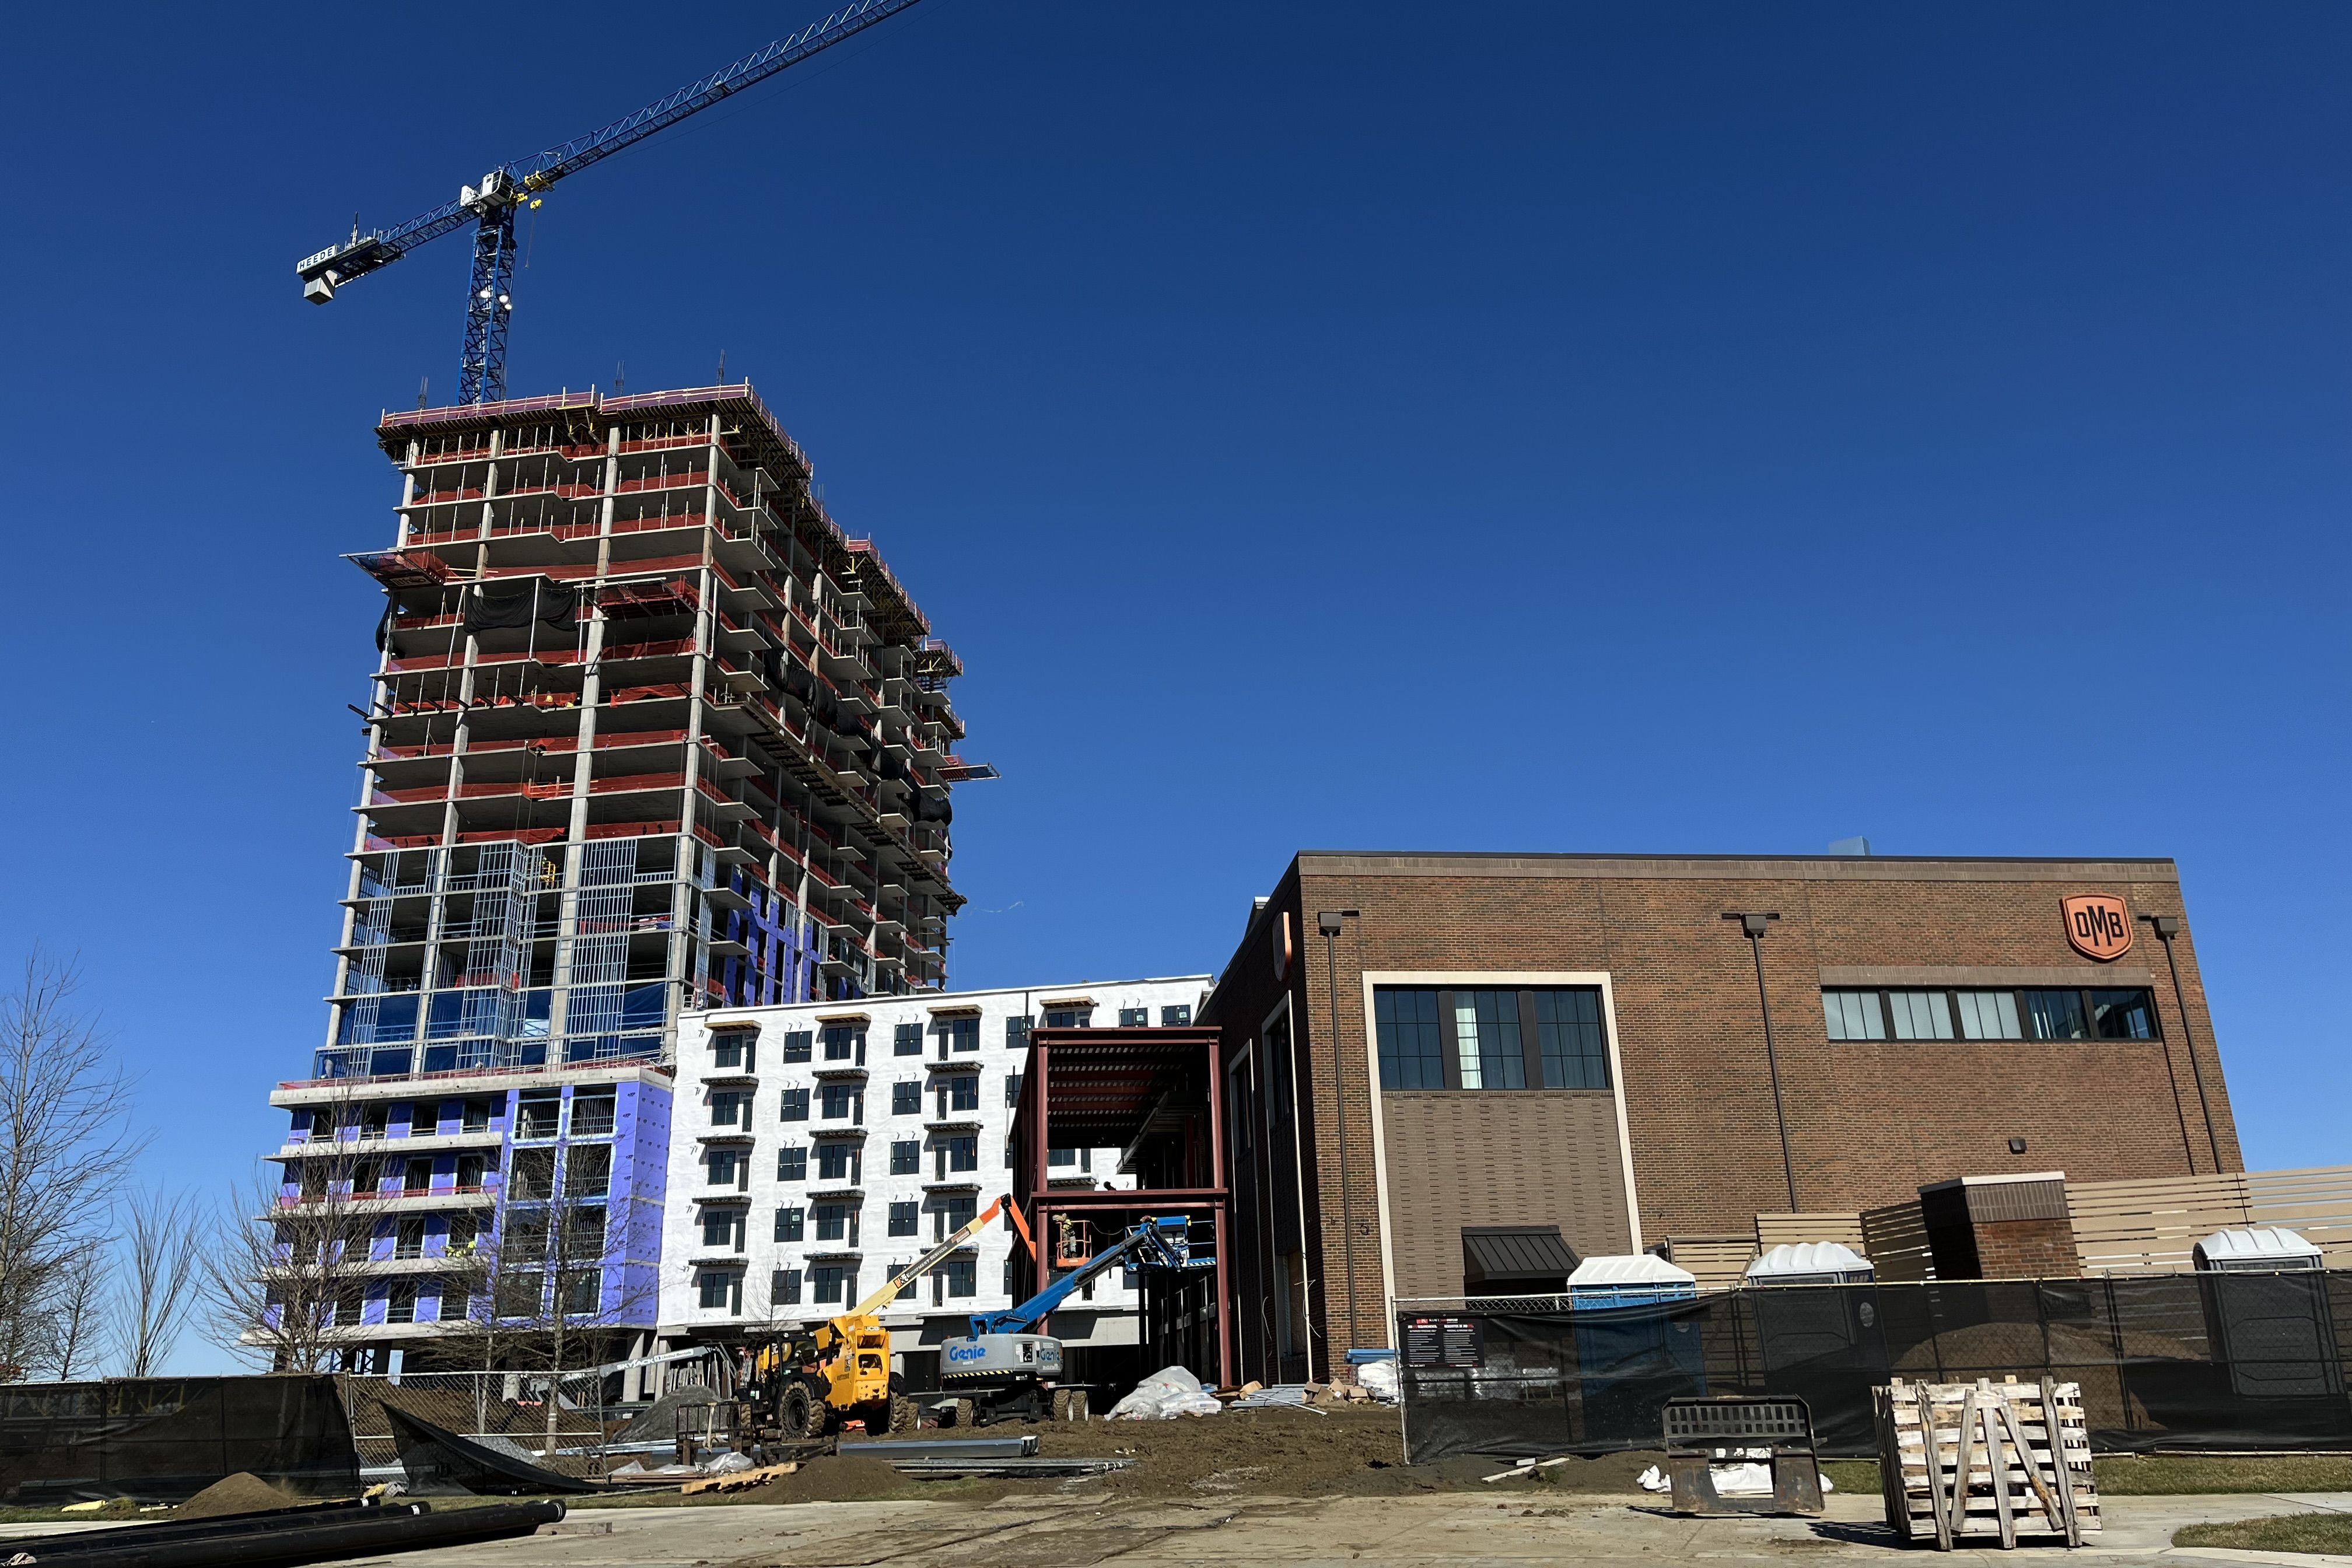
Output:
[[490, 206], [1161, 1243]]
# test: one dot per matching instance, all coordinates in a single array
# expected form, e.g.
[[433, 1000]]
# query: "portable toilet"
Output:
[[1818, 1332], [2266, 1310], [1637, 1344], [1811, 1263], [1630, 1279]]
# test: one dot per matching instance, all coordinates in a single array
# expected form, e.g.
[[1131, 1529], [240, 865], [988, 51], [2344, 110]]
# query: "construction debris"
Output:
[[740, 1480], [1008, 1466]]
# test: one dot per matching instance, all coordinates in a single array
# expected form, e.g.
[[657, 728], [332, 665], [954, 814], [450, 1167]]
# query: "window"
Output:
[[907, 1040], [347, 1310], [463, 1228], [518, 1295], [400, 1306], [837, 1101], [424, 1121], [1412, 1055], [524, 1239], [845, 1042], [1935, 1013], [1987, 1016], [718, 1290], [832, 1222], [963, 1154], [1920, 1015], [1486, 1039], [1068, 1157], [726, 1166], [1134, 1017], [795, 1105], [594, 1116], [727, 1048], [906, 1097], [417, 1175], [538, 1113], [956, 1212], [784, 1288], [1853, 1015], [790, 1223], [409, 1237], [796, 1045], [1017, 1031], [1551, 1038], [580, 1291], [583, 1235], [1569, 1032], [532, 1175], [791, 1163], [726, 1105], [720, 1230], [961, 1275], [961, 1033], [2057, 1015], [2122, 1016], [1069, 1017], [832, 1283], [835, 1162], [963, 1092], [906, 1157], [903, 1217], [1176, 1015], [588, 1170], [475, 1116]]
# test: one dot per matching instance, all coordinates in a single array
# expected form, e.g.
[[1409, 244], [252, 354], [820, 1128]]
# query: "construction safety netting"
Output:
[[164, 1439], [2176, 1361]]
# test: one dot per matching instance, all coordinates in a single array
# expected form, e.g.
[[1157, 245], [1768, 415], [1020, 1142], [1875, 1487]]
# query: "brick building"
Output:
[[1437, 1060]]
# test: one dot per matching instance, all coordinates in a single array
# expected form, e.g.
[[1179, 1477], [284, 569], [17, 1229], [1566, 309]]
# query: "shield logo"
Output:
[[2099, 925]]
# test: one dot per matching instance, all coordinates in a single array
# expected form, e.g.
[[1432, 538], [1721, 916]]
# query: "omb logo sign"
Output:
[[2099, 925]]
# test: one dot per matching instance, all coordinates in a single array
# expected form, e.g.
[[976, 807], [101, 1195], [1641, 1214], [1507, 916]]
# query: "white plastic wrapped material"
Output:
[[1730, 1481], [1171, 1392], [1379, 1379], [727, 1464], [1653, 1480]]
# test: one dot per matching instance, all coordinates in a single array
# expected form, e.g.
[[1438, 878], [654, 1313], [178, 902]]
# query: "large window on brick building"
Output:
[[1931, 1013], [1542, 1037]]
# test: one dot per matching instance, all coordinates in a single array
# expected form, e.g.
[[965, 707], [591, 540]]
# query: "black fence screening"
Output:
[[2176, 1361], [164, 1439]]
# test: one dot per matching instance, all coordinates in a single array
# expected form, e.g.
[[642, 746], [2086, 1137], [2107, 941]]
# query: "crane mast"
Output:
[[490, 206]]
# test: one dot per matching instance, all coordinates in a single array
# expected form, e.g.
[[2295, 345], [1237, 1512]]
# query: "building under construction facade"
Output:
[[649, 733]]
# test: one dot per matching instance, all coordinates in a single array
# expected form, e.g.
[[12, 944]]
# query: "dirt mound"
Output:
[[243, 1492], [846, 1477]]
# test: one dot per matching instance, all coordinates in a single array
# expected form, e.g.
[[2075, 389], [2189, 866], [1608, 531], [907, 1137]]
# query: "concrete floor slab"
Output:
[[1443, 1530]]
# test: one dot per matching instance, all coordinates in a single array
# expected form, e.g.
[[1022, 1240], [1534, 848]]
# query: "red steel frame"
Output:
[[1114, 1083]]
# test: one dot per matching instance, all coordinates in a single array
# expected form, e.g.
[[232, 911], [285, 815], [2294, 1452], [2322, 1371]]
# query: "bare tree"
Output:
[[64, 1141], [81, 1324], [164, 1242], [285, 1273]]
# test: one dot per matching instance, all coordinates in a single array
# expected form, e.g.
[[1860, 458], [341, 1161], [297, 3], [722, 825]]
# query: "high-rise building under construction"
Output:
[[649, 733]]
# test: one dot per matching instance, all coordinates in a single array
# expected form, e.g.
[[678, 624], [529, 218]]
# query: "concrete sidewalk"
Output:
[[1057, 1531]]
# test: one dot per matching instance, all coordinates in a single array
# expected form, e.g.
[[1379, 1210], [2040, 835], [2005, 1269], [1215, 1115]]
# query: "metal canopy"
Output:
[[1515, 1254]]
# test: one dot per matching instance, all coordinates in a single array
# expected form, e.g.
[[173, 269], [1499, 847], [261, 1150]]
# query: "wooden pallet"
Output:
[[1991, 1459]]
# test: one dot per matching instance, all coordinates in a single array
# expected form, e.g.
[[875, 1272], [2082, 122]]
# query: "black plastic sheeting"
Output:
[[165, 1439], [2177, 1361], [439, 1461]]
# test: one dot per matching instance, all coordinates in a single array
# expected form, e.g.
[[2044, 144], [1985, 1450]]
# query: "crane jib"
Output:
[[505, 188]]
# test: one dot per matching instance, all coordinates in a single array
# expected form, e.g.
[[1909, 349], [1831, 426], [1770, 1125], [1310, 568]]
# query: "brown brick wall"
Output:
[[1868, 1124], [2026, 1249], [1457, 1158]]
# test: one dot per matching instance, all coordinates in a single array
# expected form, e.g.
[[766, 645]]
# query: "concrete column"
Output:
[[592, 689]]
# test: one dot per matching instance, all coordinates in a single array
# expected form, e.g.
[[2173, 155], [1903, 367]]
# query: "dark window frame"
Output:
[[1531, 1060], [2087, 1006]]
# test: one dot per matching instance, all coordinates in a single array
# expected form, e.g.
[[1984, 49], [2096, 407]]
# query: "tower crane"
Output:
[[490, 206]]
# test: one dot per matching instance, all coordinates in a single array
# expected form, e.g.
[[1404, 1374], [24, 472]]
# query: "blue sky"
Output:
[[1643, 427]]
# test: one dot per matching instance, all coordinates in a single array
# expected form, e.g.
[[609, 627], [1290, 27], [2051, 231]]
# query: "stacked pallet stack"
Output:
[[1986, 1460]]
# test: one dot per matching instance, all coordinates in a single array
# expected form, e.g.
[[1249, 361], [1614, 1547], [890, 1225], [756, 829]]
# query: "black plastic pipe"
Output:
[[327, 1539], [302, 1516]]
